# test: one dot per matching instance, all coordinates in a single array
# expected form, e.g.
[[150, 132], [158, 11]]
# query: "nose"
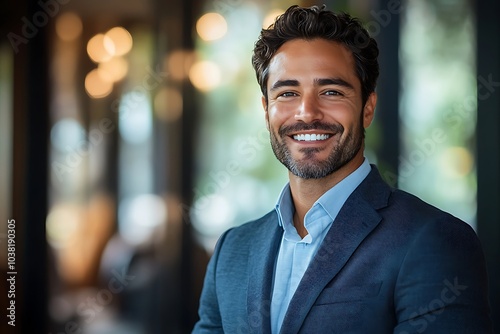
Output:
[[309, 110]]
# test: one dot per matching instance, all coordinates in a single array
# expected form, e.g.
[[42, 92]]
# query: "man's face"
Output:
[[314, 110]]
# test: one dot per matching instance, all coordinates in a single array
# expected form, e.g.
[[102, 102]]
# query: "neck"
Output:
[[305, 192]]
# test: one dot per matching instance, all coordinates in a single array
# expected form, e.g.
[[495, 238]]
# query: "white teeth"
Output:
[[311, 137]]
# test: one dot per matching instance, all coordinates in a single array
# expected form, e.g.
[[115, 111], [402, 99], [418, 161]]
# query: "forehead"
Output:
[[301, 59]]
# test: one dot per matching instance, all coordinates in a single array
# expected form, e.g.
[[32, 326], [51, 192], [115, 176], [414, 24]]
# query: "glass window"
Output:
[[438, 105]]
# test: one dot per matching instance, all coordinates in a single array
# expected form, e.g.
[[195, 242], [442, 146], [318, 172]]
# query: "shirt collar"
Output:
[[331, 201]]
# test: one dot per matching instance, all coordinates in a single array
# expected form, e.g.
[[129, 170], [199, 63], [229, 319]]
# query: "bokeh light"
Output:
[[178, 64], [118, 41], [140, 217], [69, 26], [205, 75], [98, 48], [211, 26], [456, 161], [212, 214], [63, 221], [168, 104], [136, 123], [113, 70], [96, 86], [67, 133]]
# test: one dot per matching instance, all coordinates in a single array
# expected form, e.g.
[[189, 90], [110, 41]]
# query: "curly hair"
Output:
[[318, 22]]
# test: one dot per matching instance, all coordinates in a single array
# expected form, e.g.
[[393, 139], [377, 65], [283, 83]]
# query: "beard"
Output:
[[309, 166]]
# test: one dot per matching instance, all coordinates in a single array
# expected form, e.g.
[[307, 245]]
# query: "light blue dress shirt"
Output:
[[295, 252]]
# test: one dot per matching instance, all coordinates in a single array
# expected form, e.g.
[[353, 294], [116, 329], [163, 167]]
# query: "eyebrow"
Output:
[[284, 83], [318, 82], [333, 81]]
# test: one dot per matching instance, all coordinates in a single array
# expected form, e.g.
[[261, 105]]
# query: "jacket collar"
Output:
[[262, 260]]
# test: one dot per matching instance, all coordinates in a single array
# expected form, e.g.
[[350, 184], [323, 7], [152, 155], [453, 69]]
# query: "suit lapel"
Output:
[[261, 272], [355, 221]]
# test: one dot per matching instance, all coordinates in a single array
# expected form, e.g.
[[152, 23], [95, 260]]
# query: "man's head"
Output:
[[315, 22], [317, 72]]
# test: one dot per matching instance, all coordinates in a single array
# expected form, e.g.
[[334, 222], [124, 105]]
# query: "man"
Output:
[[342, 252]]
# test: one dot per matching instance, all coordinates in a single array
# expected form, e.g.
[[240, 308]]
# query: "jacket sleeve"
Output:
[[442, 283], [210, 319]]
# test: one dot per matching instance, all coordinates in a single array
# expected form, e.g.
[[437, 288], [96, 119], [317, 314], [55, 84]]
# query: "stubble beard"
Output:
[[309, 166]]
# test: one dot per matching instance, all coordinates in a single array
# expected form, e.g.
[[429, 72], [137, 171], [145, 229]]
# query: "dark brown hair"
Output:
[[318, 22]]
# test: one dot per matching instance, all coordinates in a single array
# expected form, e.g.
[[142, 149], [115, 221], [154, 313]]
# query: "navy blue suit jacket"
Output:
[[390, 263]]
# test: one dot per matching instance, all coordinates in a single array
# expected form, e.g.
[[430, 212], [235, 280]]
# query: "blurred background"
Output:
[[132, 135]]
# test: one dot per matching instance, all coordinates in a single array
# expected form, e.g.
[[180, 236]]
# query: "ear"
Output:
[[264, 106], [369, 110]]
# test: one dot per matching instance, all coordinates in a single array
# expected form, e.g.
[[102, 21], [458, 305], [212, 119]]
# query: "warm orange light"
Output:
[[205, 75], [62, 223], [168, 104], [119, 41], [113, 70], [77, 233], [457, 161], [97, 48], [178, 64], [211, 26], [69, 26], [96, 86]]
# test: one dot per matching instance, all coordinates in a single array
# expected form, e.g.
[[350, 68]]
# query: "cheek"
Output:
[[276, 117], [352, 126], [348, 118]]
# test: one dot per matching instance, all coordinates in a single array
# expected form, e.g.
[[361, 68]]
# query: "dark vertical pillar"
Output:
[[30, 168], [384, 26], [176, 23], [488, 144], [34, 274], [191, 10]]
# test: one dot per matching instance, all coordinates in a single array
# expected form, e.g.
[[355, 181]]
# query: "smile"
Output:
[[311, 137]]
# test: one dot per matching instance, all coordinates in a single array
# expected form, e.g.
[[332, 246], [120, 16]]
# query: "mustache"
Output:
[[329, 127]]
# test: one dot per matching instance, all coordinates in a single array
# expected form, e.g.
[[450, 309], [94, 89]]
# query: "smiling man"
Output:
[[342, 252]]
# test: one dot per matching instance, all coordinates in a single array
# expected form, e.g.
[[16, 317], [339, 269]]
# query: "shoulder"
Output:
[[395, 203], [401, 210], [406, 204], [414, 222], [423, 223], [442, 267], [410, 208]]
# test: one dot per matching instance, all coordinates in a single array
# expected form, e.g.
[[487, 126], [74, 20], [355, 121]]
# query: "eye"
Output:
[[333, 93], [287, 94]]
